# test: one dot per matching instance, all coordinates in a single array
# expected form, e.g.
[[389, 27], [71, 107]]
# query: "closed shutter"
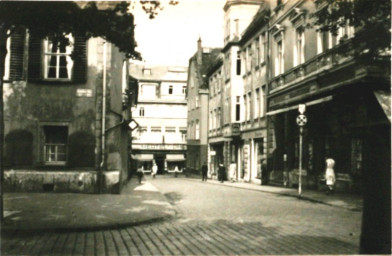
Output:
[[80, 59], [34, 66], [16, 55]]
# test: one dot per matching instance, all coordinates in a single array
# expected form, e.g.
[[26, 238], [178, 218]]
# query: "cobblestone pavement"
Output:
[[212, 220]]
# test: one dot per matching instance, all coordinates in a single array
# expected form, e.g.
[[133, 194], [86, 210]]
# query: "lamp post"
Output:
[[301, 121]]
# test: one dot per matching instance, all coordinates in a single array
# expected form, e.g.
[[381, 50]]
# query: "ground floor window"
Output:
[[356, 156], [55, 144]]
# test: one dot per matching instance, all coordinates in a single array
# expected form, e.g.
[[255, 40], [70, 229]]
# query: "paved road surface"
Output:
[[211, 219]]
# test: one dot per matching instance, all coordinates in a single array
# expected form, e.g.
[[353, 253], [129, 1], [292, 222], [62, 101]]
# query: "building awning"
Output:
[[384, 98], [143, 157], [309, 103], [175, 158]]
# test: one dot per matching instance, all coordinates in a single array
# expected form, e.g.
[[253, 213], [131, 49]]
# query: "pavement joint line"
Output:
[[279, 193]]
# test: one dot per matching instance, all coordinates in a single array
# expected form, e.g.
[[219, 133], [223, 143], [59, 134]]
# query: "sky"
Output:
[[171, 37]]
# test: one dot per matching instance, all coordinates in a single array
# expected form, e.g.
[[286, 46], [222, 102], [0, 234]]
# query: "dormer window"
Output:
[[58, 63], [147, 71]]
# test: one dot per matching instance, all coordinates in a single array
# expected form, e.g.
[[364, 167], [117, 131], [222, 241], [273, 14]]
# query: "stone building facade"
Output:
[[161, 113], [198, 104], [59, 136]]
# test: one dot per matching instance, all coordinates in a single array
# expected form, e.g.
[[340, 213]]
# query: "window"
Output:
[[197, 101], [257, 104], [58, 63], [262, 93], [184, 90], [246, 107], [55, 146], [170, 89], [257, 57], [218, 118], [7, 60], [156, 129], [263, 42], [170, 129], [345, 32], [249, 58], [237, 27], [197, 130], [141, 111], [238, 108], [183, 134], [148, 91], [146, 71], [249, 105], [227, 66], [238, 63], [299, 46], [322, 42], [279, 61]]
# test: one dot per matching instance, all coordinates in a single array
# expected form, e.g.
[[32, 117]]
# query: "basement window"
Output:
[[55, 146]]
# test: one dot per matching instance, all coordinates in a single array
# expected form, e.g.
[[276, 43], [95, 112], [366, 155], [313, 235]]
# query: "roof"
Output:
[[208, 59], [146, 72]]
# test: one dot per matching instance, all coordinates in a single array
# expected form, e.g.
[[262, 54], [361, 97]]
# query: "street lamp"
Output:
[[301, 121]]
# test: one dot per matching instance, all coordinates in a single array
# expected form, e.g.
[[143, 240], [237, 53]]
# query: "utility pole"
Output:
[[301, 121]]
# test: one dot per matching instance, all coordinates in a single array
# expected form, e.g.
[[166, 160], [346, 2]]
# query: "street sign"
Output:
[[133, 125], [301, 120]]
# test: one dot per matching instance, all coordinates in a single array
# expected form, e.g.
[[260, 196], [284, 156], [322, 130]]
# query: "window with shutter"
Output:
[[57, 61], [51, 60]]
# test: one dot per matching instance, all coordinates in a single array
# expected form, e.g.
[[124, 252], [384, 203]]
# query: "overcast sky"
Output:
[[171, 38]]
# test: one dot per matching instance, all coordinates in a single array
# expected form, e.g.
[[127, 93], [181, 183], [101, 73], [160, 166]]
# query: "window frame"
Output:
[[47, 56]]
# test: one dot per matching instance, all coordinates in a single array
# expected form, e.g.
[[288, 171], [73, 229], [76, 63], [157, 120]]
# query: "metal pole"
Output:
[[300, 161]]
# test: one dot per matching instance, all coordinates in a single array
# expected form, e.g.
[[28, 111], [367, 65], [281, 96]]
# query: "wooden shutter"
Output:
[[80, 59], [35, 64], [17, 55]]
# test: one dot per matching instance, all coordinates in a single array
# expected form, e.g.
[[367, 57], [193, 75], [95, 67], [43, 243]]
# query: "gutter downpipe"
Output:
[[103, 119]]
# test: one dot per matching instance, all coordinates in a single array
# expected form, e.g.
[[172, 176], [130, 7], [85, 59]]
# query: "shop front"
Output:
[[339, 126]]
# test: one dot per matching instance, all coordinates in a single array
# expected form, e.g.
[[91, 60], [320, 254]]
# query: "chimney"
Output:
[[199, 51]]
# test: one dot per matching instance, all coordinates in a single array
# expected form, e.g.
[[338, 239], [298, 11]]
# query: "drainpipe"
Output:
[[103, 118]]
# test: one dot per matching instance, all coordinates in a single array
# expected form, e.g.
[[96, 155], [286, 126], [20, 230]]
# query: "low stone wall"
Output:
[[58, 181]]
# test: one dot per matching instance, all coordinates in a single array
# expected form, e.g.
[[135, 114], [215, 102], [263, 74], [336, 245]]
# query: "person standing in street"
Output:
[[232, 171], [140, 173], [221, 173], [154, 170], [204, 171], [330, 175]]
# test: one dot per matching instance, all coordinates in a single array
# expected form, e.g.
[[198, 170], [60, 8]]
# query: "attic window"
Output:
[[146, 71]]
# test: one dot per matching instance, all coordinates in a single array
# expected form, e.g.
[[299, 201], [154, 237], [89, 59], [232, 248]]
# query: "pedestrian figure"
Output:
[[204, 171], [330, 175], [264, 174], [232, 171], [221, 173], [154, 170], [176, 171], [140, 173]]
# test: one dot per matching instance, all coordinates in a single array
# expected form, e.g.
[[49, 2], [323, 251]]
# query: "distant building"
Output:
[[197, 97], [161, 113], [59, 136], [226, 87]]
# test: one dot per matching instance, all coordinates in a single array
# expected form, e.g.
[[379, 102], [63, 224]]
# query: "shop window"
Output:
[[58, 63], [55, 144]]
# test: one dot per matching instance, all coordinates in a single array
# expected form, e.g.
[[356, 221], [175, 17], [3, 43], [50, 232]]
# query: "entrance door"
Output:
[[160, 161]]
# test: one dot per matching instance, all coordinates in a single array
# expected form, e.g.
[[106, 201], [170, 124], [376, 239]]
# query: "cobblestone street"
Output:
[[210, 220]]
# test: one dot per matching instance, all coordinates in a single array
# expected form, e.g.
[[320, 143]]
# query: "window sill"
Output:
[[55, 163]]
